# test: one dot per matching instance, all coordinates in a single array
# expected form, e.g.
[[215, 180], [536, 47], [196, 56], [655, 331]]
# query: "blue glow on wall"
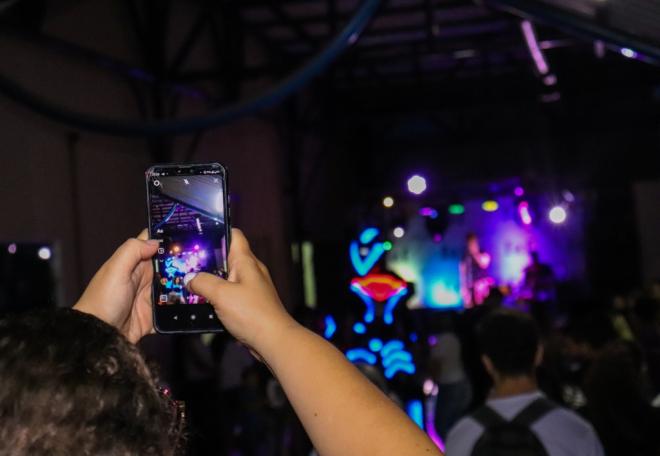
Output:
[[388, 312], [369, 235], [415, 411], [330, 327], [363, 265], [368, 301], [397, 367], [375, 345], [359, 355], [392, 346], [359, 328]]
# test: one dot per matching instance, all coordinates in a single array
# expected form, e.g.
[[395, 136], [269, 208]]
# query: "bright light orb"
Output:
[[44, 253], [398, 232], [416, 185], [557, 215], [388, 202], [628, 53]]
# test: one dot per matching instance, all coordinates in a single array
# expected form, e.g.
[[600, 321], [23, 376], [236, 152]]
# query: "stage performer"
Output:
[[475, 281]]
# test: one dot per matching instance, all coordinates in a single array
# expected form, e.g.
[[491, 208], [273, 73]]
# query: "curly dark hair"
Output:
[[71, 384]]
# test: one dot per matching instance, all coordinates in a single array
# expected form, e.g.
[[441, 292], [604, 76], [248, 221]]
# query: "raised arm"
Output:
[[343, 413]]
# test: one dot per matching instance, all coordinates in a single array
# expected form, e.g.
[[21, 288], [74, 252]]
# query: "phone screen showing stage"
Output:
[[187, 214]]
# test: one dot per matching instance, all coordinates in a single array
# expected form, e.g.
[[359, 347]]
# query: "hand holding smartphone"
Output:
[[188, 214]]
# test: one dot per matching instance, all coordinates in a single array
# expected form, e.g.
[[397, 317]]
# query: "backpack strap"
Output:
[[487, 417], [534, 412]]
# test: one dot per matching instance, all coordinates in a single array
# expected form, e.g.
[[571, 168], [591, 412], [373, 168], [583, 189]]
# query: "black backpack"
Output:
[[511, 438]]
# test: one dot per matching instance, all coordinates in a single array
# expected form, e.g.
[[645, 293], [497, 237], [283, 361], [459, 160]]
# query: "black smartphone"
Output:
[[188, 213]]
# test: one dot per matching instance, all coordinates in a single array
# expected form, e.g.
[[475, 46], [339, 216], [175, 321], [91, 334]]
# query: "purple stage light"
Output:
[[12, 248], [557, 215], [417, 185], [519, 191], [550, 80], [428, 212], [534, 49], [629, 53], [568, 196], [523, 212], [437, 237], [196, 247]]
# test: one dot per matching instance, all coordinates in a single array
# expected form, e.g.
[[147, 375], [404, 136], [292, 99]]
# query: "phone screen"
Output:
[[187, 214]]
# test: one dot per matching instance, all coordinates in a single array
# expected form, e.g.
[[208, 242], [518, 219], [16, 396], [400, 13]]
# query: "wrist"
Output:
[[275, 338]]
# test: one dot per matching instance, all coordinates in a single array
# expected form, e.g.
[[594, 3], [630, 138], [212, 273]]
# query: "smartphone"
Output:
[[188, 213]]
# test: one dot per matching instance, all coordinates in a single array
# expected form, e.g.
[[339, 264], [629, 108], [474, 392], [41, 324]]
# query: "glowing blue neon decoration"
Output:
[[330, 327], [391, 356], [375, 345], [369, 235], [396, 357], [363, 265], [397, 367], [361, 355], [391, 303], [370, 313], [413, 337], [391, 346], [359, 328], [415, 411]]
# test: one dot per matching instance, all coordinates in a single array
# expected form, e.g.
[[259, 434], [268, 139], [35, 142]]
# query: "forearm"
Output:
[[343, 413]]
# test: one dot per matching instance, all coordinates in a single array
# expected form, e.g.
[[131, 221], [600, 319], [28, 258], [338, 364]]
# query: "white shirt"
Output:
[[447, 351], [562, 432]]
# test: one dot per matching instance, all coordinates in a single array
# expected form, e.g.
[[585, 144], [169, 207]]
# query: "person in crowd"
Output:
[[473, 271], [517, 416], [539, 290], [646, 322], [447, 371], [619, 403], [73, 383]]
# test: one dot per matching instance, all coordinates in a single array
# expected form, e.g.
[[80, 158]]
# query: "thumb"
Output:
[[210, 286]]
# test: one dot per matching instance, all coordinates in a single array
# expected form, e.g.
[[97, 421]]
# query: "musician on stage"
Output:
[[475, 281]]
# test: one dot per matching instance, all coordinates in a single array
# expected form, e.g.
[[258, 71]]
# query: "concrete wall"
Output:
[[647, 197], [88, 198]]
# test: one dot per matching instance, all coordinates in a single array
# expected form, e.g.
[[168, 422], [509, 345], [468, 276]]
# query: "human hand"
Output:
[[120, 292], [247, 303]]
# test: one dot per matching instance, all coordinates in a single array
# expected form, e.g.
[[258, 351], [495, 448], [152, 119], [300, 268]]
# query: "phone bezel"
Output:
[[190, 318]]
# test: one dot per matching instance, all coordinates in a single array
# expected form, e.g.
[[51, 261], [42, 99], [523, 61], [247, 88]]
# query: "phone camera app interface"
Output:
[[188, 218]]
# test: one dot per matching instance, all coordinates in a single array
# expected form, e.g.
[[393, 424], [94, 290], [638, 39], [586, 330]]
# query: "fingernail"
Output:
[[153, 241], [188, 277]]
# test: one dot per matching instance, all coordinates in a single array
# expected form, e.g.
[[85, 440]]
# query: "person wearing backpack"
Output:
[[517, 419]]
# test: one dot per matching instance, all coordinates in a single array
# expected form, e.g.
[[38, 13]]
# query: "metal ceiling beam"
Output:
[[386, 12]]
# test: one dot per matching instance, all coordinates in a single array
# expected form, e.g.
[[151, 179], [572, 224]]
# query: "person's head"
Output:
[[535, 257], [472, 243], [509, 344], [71, 384]]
